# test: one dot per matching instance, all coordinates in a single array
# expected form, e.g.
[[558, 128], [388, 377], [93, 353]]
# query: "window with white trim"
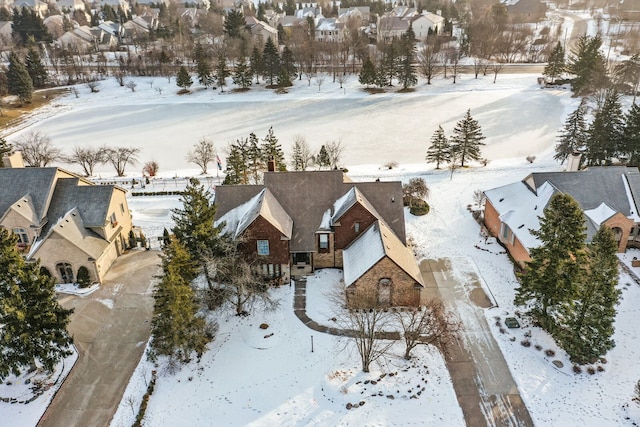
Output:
[[23, 237], [323, 241], [263, 247]]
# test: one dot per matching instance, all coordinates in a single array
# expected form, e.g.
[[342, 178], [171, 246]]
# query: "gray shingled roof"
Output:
[[306, 196], [16, 183], [592, 186], [92, 202]]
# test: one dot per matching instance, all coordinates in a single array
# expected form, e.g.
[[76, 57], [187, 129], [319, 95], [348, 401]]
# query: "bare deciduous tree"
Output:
[[416, 188], [202, 154], [334, 150], [37, 150], [235, 280], [429, 59], [94, 85], [86, 158], [431, 324], [319, 78], [302, 156], [131, 85], [119, 157]]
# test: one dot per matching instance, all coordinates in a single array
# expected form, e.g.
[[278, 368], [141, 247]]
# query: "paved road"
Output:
[[110, 329], [481, 378]]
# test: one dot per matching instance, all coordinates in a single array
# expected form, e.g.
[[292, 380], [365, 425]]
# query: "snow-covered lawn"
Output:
[[248, 379], [254, 376]]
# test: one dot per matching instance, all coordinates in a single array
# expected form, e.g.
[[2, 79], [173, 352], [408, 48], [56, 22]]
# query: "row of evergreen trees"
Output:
[[248, 158], [569, 287], [396, 62], [24, 76], [611, 134], [460, 148]]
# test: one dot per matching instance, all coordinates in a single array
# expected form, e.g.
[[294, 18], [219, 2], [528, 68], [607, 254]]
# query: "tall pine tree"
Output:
[[630, 143], [203, 67], [555, 66], [177, 329], [272, 148], [183, 79], [588, 65], [573, 136], [35, 68], [406, 71], [18, 80], [270, 61], [604, 137], [556, 269], [242, 74], [588, 324], [34, 325], [367, 74], [439, 151], [222, 72], [467, 139]]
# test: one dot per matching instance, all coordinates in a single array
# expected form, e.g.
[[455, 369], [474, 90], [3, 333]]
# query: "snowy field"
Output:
[[247, 379]]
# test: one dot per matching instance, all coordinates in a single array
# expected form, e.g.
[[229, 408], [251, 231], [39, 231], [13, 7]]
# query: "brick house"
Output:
[[64, 221], [607, 196], [298, 222]]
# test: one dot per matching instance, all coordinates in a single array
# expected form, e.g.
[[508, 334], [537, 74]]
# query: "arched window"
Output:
[[66, 272]]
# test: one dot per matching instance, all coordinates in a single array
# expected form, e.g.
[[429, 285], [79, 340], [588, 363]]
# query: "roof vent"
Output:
[[521, 226], [502, 199]]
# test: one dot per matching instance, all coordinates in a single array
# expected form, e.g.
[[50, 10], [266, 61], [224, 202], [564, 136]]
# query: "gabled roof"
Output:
[[24, 207], [521, 209], [262, 205], [593, 186], [91, 201], [600, 214], [38, 183], [71, 227], [307, 196], [374, 244], [346, 202]]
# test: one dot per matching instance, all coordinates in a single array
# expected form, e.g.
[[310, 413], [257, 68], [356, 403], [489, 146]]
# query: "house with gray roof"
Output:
[[607, 195], [297, 222], [64, 221]]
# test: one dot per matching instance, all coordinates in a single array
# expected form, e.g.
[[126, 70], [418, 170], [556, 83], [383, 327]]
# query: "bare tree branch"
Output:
[[202, 154], [37, 150]]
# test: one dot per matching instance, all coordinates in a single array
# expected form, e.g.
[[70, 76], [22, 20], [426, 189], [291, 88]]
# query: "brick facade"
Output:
[[624, 225], [404, 291], [492, 221], [346, 232]]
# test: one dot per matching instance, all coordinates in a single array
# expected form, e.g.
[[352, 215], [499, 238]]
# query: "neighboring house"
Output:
[[70, 5], [360, 13], [80, 38], [329, 30], [607, 196], [39, 7], [64, 220], [298, 222], [390, 27], [261, 30], [526, 10], [629, 10]]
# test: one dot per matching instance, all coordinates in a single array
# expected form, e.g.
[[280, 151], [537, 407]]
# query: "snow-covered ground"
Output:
[[247, 379]]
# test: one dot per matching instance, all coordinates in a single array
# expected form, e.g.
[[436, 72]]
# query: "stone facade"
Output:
[[403, 289]]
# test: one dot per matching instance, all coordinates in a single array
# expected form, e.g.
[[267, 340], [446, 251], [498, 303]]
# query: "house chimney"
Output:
[[13, 161], [573, 161], [271, 164]]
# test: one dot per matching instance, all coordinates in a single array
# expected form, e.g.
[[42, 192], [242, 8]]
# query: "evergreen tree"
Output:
[[323, 159], [256, 64], [242, 74], [604, 137], [550, 280], [203, 67], [237, 171], [18, 79], [28, 25], [183, 79], [270, 61], [467, 139], [288, 71], [367, 73], [440, 150], [588, 65], [555, 66], [177, 329], [573, 136], [297, 156], [36, 70], [256, 159], [33, 323], [630, 135], [194, 226], [222, 72], [406, 72], [234, 24], [389, 65], [272, 148], [588, 326]]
